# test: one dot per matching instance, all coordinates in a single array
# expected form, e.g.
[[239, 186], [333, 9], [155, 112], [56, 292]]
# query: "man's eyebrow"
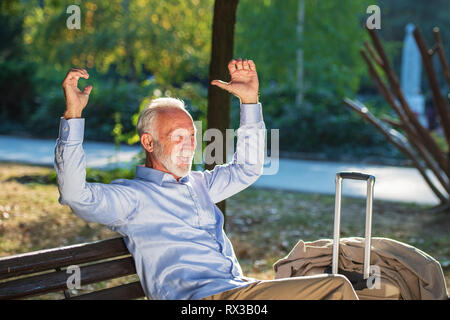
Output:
[[172, 130]]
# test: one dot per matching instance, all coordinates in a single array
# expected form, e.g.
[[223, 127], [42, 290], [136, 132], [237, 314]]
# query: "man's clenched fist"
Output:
[[76, 100]]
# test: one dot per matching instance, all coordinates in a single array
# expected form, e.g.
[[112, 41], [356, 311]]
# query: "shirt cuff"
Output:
[[71, 129], [251, 113]]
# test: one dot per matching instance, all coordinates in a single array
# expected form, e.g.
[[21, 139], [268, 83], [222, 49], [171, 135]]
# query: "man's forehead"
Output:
[[181, 129], [176, 121]]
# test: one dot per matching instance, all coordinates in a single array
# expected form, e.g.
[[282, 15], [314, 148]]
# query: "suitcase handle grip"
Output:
[[355, 176], [337, 218]]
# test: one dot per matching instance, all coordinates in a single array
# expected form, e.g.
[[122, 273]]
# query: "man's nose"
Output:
[[188, 145]]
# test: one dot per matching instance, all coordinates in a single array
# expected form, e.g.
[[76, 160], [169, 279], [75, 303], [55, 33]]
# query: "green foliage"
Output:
[[17, 83], [17, 89], [169, 38], [111, 101], [325, 128], [106, 176], [332, 37], [130, 49], [425, 15], [92, 175], [136, 50], [108, 100]]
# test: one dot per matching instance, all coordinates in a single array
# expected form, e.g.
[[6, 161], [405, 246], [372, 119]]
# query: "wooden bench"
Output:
[[41, 272]]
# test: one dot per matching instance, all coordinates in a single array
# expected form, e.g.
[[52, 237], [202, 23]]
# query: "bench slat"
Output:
[[123, 292], [53, 281], [43, 260]]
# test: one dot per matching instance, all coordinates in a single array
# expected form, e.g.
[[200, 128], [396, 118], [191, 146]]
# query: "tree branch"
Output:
[[374, 56], [425, 137], [406, 125], [439, 102], [441, 53], [397, 139]]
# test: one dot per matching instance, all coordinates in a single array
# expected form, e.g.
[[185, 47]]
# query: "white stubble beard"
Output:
[[169, 164]]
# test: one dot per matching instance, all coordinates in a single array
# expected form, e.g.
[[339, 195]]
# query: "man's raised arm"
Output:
[[248, 160], [109, 204]]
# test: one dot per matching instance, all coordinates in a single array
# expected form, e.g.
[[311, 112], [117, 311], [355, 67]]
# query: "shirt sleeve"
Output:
[[248, 161], [108, 204]]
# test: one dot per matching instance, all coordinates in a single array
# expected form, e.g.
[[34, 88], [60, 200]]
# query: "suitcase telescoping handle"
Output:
[[337, 218]]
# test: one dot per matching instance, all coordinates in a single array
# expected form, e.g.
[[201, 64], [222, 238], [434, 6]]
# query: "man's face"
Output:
[[176, 141]]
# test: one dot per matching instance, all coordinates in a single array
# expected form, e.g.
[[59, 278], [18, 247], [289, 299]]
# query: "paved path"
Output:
[[40, 151], [392, 183]]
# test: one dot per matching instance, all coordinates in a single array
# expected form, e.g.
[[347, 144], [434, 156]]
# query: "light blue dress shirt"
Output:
[[173, 229]]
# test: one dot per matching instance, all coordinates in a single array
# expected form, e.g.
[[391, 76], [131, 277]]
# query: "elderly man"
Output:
[[167, 213]]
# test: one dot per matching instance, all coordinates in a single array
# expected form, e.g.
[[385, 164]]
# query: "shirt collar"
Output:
[[157, 176]]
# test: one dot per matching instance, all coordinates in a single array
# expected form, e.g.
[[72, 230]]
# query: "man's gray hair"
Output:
[[147, 118]]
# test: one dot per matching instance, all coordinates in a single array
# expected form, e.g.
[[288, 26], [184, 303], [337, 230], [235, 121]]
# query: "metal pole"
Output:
[[337, 221], [368, 233]]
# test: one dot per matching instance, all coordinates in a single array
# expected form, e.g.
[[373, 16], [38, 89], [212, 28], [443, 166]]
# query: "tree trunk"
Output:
[[222, 50], [300, 24]]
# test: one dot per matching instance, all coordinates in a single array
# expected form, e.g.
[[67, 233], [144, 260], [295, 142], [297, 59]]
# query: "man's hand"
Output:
[[76, 100], [244, 80]]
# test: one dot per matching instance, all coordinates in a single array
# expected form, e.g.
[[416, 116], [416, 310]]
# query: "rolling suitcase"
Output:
[[378, 268], [369, 284]]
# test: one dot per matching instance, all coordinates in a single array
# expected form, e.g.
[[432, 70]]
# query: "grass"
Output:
[[265, 225], [262, 224]]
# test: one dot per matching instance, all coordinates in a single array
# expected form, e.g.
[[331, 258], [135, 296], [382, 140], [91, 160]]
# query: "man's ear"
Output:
[[147, 142]]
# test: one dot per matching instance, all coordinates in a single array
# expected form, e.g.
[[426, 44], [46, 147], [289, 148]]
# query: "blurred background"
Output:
[[307, 53], [135, 50]]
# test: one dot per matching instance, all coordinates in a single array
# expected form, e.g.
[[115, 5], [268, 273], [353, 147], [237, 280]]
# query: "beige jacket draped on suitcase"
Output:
[[405, 271]]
